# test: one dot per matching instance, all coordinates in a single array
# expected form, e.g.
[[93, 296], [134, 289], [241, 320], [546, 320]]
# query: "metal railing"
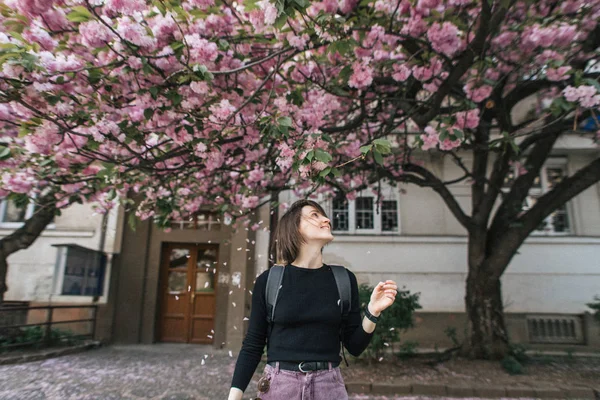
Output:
[[47, 337]]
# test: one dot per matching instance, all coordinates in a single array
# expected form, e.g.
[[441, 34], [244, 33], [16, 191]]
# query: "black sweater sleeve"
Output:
[[356, 339], [256, 337]]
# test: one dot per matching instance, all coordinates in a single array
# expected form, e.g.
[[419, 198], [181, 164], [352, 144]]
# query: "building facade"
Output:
[[193, 283]]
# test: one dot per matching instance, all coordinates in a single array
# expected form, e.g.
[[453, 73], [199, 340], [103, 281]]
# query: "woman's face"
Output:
[[315, 226]]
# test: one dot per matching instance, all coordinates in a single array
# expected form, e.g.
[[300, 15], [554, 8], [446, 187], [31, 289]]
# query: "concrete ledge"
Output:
[[358, 387], [579, 393], [461, 391], [385, 388], [490, 391], [48, 353], [429, 389], [515, 391], [466, 391]]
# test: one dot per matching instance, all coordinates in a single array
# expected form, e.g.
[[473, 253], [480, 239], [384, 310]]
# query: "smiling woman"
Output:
[[306, 326]]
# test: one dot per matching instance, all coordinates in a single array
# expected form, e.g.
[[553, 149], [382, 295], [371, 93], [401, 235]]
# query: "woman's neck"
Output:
[[309, 258]]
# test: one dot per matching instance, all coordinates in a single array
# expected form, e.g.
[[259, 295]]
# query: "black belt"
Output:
[[304, 366]]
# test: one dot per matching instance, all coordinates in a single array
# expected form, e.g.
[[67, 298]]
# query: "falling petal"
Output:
[[246, 319], [386, 344], [212, 331], [176, 297], [235, 327], [380, 358], [339, 302], [206, 284], [233, 303], [231, 291], [250, 291], [210, 336], [202, 362], [230, 353]]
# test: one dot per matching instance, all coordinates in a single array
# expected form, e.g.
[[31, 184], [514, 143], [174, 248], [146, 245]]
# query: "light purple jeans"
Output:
[[324, 384]]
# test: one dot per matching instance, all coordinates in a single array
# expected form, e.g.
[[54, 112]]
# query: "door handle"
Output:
[[192, 296]]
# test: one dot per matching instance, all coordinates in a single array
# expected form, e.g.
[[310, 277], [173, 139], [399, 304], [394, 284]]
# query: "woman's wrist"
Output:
[[373, 311]]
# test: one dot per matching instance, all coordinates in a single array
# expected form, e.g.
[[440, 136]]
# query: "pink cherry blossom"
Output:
[[445, 38], [558, 74], [126, 7], [467, 119], [362, 75], [298, 42], [401, 72], [430, 138], [34, 7], [222, 111], [477, 94], [95, 34]]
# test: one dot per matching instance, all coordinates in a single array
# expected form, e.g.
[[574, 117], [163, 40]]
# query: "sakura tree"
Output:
[[218, 103]]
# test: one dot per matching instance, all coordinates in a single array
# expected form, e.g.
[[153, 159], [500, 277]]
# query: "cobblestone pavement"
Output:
[[159, 371]]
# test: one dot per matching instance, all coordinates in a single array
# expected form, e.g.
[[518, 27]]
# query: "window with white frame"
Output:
[[551, 174], [79, 271], [361, 215], [13, 215]]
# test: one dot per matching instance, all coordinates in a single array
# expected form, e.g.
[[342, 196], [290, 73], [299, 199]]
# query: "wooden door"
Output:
[[189, 281]]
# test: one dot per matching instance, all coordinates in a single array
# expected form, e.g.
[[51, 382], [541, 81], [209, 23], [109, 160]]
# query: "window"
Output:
[[551, 174], [361, 215], [13, 215], [79, 271]]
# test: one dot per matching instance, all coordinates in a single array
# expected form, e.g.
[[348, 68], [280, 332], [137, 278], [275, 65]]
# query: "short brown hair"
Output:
[[287, 240]]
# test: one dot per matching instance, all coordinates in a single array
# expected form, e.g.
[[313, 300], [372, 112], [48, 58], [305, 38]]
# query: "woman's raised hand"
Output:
[[382, 297]]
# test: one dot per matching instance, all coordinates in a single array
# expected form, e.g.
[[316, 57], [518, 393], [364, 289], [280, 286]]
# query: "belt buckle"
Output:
[[300, 367]]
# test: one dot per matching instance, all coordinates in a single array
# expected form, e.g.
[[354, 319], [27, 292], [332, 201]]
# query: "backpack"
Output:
[[342, 280]]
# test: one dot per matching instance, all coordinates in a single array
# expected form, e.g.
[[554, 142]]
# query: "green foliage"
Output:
[[34, 336], [518, 351], [512, 365], [398, 317], [408, 349], [450, 332], [595, 305]]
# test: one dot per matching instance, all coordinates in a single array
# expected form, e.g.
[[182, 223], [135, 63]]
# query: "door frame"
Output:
[[163, 280]]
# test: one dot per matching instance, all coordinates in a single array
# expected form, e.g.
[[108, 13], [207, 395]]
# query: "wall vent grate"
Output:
[[555, 329]]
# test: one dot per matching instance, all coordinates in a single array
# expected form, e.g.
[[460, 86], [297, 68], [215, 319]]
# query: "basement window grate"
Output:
[[555, 329]]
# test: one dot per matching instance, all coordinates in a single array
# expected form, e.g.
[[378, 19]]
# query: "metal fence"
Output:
[[13, 317]]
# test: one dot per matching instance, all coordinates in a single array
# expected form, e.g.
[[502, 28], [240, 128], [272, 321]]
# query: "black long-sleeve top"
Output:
[[306, 323]]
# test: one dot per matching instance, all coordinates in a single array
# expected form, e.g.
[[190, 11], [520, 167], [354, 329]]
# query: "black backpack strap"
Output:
[[343, 284], [274, 279], [342, 281]]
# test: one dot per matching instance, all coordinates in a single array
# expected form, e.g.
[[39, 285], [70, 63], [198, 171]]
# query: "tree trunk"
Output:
[[23, 237], [488, 338], [3, 272]]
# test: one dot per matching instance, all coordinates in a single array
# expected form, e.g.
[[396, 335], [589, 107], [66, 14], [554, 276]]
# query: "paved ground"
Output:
[[162, 371]]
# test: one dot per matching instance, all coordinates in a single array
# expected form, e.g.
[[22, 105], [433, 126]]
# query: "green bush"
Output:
[[595, 305], [512, 366], [407, 349], [34, 336], [450, 332], [398, 317], [518, 351]]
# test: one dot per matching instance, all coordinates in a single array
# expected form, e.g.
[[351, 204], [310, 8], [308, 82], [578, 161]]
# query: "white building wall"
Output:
[[548, 275], [31, 271]]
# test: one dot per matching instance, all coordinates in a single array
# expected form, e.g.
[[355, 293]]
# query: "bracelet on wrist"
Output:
[[370, 316]]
